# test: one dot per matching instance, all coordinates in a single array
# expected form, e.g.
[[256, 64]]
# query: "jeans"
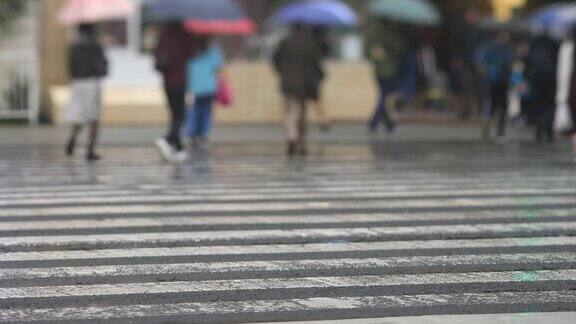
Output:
[[199, 118], [498, 107], [409, 80], [176, 100], [387, 86]]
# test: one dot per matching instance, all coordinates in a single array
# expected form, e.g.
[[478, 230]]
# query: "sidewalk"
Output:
[[340, 134]]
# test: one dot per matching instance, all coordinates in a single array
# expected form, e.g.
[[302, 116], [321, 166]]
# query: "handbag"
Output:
[[224, 94]]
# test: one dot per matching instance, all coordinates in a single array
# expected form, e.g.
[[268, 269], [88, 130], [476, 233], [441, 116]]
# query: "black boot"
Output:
[[70, 147], [291, 148], [92, 157]]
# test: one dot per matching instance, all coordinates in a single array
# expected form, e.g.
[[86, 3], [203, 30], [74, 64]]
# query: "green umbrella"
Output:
[[419, 12]]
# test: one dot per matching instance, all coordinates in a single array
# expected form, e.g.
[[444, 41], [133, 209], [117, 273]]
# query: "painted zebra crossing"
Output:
[[237, 237]]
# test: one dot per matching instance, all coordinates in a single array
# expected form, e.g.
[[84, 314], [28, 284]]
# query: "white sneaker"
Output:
[[179, 157], [165, 149]]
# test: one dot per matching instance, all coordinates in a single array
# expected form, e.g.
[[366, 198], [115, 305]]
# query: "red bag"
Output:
[[224, 96]]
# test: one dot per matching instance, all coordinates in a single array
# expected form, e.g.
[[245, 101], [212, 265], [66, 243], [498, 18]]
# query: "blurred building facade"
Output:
[[133, 93]]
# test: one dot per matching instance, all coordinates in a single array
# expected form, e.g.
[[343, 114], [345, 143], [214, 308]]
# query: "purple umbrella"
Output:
[[317, 12], [205, 10]]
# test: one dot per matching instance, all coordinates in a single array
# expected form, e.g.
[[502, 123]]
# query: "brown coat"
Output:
[[297, 61]]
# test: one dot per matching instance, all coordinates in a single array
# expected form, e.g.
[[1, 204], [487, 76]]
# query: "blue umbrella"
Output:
[[205, 10], [419, 12], [317, 12], [558, 19]]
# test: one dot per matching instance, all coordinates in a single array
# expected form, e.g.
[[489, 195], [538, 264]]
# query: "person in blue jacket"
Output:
[[203, 76], [498, 59]]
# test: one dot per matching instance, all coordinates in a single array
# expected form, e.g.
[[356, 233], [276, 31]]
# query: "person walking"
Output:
[[321, 35], [498, 59], [463, 38], [203, 75], [572, 97], [297, 60], [541, 72], [87, 66], [385, 50], [175, 47]]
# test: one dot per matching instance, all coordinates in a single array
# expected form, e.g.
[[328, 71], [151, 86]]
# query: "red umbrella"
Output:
[[93, 11], [219, 27]]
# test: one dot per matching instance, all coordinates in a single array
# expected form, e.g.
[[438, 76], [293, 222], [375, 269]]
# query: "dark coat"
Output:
[[573, 96], [175, 47], [297, 61], [87, 60]]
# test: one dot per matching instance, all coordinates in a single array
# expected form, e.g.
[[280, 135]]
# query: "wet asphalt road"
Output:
[[242, 234]]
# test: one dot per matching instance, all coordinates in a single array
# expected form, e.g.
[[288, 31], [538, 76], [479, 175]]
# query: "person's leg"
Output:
[[302, 127], [488, 115], [377, 115], [205, 118], [176, 102], [192, 116], [381, 111], [387, 88], [71, 146], [291, 124], [574, 145], [319, 109], [93, 129], [502, 106]]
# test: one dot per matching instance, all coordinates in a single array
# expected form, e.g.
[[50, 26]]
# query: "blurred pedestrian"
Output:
[[87, 66], [203, 75], [498, 59], [175, 46], [573, 96], [464, 39], [297, 61], [519, 90], [385, 49], [541, 72], [321, 35], [409, 73]]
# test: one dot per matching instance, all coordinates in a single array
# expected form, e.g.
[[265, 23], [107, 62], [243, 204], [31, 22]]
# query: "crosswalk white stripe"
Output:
[[268, 206], [339, 187], [368, 179], [283, 283], [282, 265], [189, 310], [135, 198], [112, 223], [68, 194], [329, 233], [53, 189], [287, 248]]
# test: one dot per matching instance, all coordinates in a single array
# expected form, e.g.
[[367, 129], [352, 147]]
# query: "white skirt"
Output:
[[86, 102]]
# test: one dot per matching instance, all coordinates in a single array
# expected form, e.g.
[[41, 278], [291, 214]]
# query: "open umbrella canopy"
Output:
[[419, 12], [518, 27], [93, 11], [558, 19], [203, 16], [317, 12]]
